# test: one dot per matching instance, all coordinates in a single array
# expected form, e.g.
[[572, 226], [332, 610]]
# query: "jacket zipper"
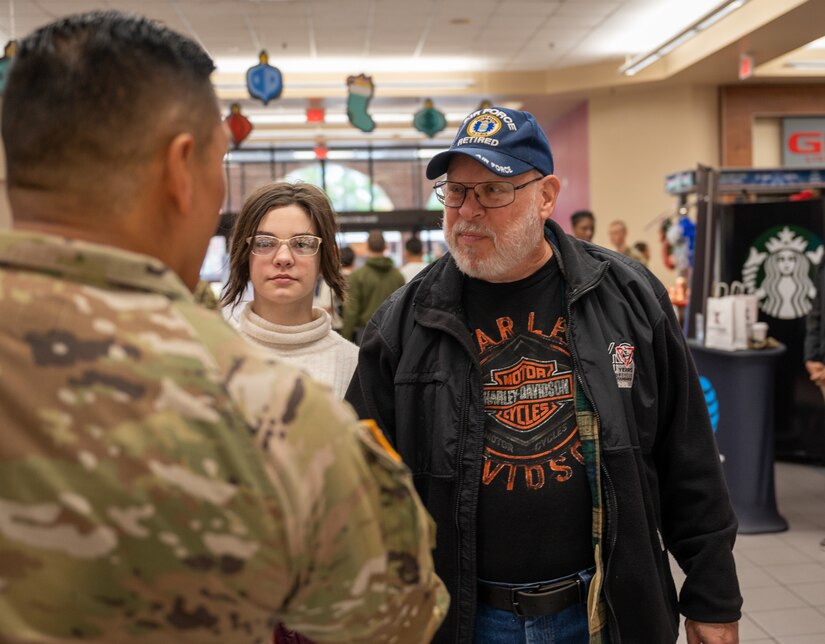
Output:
[[464, 428], [580, 379]]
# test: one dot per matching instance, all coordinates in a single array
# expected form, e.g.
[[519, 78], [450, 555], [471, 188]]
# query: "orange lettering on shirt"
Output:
[[484, 340], [575, 450], [531, 320], [505, 327], [489, 475], [559, 329], [534, 476], [565, 472]]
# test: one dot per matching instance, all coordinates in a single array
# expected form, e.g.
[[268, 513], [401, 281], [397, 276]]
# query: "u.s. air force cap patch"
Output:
[[507, 142]]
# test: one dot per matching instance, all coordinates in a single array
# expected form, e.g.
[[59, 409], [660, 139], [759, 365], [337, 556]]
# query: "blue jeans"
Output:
[[568, 626]]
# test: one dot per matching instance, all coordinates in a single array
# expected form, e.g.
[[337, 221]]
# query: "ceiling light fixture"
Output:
[[806, 64], [642, 61]]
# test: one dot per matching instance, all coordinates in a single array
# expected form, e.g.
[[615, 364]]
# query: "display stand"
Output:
[[744, 385]]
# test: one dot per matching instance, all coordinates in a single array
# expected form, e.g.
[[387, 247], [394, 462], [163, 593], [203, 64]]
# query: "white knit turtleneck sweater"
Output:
[[313, 347]]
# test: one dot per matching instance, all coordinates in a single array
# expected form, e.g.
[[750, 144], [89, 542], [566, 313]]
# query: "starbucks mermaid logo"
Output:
[[780, 271]]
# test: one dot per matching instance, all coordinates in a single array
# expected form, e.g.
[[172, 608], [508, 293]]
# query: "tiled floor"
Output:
[[782, 575]]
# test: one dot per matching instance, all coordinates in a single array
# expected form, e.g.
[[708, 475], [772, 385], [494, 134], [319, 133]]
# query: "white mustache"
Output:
[[465, 227]]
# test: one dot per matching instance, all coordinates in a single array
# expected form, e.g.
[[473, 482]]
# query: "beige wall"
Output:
[[767, 142], [637, 137]]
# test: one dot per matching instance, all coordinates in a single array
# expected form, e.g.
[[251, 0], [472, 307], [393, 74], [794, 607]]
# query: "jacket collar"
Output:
[[579, 268]]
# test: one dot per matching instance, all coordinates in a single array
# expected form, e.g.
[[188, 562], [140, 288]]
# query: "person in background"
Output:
[[369, 286], [814, 347], [544, 396], [282, 242], [641, 252], [415, 258], [617, 232], [159, 482], [583, 225]]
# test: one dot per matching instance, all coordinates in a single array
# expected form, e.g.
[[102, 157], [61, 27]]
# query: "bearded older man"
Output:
[[541, 392]]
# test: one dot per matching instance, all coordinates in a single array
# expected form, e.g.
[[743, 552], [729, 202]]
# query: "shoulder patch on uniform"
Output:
[[379, 437]]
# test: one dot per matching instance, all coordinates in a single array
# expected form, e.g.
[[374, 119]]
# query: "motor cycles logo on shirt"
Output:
[[781, 269], [526, 394], [624, 366]]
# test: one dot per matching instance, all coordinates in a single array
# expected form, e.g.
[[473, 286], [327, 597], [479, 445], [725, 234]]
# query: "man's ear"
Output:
[[550, 187], [180, 162]]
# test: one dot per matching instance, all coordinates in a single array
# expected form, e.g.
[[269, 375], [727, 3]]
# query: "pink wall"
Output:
[[569, 141]]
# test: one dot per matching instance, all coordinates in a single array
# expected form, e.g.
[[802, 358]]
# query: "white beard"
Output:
[[510, 248]]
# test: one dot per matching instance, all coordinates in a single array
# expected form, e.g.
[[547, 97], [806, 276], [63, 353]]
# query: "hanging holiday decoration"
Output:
[[5, 63], [429, 120], [316, 114], [678, 238], [360, 94], [321, 151], [239, 126], [264, 81]]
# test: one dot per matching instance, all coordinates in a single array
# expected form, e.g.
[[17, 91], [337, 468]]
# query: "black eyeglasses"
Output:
[[490, 194], [266, 245]]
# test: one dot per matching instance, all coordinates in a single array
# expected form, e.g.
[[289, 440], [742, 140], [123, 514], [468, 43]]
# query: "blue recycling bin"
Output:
[[745, 386]]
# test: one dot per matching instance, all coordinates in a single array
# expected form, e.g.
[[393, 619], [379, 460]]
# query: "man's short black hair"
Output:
[[577, 216], [347, 256], [91, 96], [414, 246]]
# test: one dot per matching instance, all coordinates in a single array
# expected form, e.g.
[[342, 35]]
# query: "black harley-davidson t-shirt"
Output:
[[534, 511]]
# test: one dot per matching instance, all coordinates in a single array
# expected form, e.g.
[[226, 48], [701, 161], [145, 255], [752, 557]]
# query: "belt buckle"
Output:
[[544, 590], [514, 602]]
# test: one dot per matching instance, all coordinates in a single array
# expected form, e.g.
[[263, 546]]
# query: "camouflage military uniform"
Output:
[[159, 483]]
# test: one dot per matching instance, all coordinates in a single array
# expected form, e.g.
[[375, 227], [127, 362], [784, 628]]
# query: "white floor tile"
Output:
[[790, 621], [770, 598]]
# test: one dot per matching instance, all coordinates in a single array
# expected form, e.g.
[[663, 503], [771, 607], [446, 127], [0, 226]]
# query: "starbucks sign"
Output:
[[781, 271]]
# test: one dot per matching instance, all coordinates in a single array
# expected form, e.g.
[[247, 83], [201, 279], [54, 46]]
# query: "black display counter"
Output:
[[744, 382]]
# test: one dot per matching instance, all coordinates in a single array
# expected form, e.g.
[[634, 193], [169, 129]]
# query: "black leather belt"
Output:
[[533, 601]]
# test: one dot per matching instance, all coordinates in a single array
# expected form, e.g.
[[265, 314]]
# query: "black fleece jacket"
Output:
[[662, 484]]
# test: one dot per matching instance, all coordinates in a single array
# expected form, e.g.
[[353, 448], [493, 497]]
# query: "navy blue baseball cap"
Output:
[[508, 142]]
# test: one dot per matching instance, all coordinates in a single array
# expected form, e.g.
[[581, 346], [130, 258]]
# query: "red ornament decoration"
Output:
[[321, 151], [239, 126], [315, 114]]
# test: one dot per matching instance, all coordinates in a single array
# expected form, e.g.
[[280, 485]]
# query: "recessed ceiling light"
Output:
[[459, 21]]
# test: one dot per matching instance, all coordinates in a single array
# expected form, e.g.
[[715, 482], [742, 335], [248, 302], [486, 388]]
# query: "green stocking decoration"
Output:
[[360, 93]]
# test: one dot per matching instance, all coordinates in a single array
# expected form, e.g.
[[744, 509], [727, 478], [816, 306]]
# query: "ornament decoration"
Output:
[[429, 120], [316, 115], [361, 89], [263, 81], [5, 63], [239, 126]]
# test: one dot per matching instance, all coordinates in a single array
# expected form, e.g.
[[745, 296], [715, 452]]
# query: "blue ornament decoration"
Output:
[[264, 81], [711, 401]]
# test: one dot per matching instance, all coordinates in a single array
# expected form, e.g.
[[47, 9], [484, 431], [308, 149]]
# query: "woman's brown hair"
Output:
[[277, 195]]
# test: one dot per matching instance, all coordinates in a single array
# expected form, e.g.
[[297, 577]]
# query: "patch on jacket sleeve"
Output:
[[623, 364]]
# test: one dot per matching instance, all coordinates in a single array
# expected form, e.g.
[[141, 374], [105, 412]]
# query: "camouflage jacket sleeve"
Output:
[[359, 539]]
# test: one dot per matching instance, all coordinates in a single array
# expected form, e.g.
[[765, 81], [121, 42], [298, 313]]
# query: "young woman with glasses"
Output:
[[282, 241]]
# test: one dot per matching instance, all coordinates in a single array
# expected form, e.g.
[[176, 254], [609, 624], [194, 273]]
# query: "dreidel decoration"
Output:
[[263, 81]]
